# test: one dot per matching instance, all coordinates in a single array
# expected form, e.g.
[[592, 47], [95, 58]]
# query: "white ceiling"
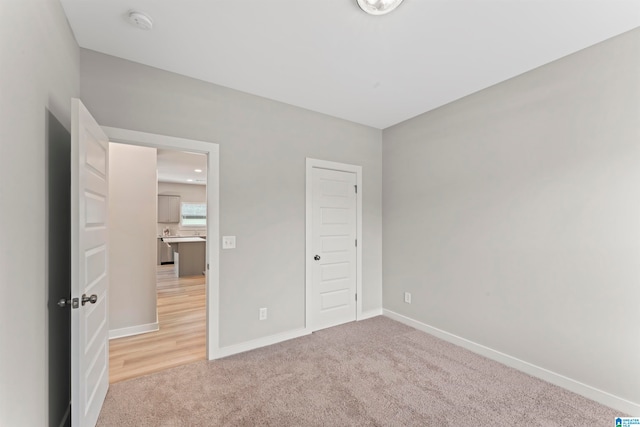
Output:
[[180, 166], [329, 56]]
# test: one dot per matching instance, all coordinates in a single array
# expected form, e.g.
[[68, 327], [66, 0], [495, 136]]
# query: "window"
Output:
[[193, 214]]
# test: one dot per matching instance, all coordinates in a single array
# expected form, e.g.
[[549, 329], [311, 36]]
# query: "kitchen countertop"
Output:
[[191, 239]]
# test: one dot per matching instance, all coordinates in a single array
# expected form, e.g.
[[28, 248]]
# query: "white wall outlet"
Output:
[[263, 313], [228, 242], [407, 297]]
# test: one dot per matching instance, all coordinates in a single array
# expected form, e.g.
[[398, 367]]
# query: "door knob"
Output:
[[317, 257], [63, 302], [92, 299]]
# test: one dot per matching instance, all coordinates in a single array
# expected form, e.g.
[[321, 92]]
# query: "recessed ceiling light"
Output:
[[189, 180], [378, 7], [197, 170], [140, 20]]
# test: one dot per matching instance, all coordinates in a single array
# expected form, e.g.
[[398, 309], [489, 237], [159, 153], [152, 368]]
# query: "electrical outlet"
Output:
[[263, 313], [407, 297]]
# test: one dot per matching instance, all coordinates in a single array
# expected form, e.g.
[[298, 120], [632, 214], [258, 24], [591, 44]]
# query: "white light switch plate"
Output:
[[228, 242]]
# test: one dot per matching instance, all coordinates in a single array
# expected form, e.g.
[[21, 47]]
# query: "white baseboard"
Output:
[[133, 330], [370, 313], [585, 390], [274, 339], [259, 342]]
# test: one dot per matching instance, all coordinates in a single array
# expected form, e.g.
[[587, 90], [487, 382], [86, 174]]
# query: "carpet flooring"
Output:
[[376, 372]]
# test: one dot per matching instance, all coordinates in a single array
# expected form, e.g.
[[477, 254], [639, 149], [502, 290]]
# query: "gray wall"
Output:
[[39, 73], [513, 217], [133, 247], [263, 145]]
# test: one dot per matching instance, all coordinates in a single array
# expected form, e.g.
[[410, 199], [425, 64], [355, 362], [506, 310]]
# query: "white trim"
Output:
[[577, 387], [133, 330], [262, 342], [324, 164], [125, 136], [370, 313]]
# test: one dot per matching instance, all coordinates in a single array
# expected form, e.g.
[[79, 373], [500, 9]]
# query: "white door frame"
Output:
[[125, 136], [343, 167]]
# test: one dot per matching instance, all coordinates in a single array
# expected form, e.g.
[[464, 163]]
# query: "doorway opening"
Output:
[[157, 294], [210, 232]]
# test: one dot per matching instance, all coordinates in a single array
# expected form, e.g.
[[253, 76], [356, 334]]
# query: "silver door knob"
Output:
[[92, 299], [317, 257], [63, 302]]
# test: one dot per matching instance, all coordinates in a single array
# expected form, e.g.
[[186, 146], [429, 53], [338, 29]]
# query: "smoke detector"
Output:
[[140, 20]]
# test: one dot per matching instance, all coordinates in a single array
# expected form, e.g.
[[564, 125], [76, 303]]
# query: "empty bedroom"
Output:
[[416, 212]]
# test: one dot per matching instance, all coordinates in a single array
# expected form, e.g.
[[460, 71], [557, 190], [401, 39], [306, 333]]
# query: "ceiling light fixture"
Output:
[[197, 170], [140, 20], [378, 7]]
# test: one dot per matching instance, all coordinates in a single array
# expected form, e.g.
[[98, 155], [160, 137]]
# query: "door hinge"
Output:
[[356, 187], [356, 297], [356, 243]]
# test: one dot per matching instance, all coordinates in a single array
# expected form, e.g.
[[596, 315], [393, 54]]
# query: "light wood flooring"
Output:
[[181, 338]]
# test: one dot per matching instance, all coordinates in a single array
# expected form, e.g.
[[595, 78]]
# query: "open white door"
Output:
[[89, 267]]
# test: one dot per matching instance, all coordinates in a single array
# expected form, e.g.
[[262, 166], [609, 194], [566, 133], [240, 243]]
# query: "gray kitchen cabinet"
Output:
[[168, 209]]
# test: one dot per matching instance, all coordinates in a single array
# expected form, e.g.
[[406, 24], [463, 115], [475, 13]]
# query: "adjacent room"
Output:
[[355, 212], [157, 235]]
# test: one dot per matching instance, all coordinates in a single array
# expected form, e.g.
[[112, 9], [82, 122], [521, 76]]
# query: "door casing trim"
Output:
[[211, 149], [343, 167]]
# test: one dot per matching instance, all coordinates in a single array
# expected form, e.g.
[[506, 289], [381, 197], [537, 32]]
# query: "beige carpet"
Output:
[[377, 372]]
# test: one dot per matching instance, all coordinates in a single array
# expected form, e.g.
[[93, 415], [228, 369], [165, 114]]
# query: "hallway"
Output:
[[181, 338]]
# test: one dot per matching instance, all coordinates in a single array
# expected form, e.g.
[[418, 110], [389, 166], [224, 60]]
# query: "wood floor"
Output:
[[181, 338]]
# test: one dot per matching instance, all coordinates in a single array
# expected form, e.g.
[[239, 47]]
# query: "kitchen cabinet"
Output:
[[168, 209]]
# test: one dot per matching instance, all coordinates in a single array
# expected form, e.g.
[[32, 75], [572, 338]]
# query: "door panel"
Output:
[[89, 266], [334, 206]]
